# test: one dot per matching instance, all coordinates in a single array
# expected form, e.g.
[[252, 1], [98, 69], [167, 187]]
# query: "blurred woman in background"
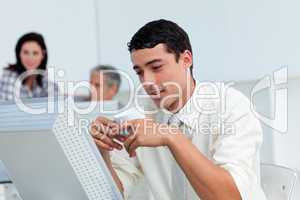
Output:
[[31, 60]]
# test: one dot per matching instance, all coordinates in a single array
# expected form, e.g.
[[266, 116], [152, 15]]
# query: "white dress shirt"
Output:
[[223, 129]]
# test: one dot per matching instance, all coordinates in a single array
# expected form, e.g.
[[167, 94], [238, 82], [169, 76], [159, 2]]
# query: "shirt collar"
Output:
[[189, 112], [204, 100]]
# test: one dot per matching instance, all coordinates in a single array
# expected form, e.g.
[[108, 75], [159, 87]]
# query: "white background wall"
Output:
[[287, 146], [231, 39]]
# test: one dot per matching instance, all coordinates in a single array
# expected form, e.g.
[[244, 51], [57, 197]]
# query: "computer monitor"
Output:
[[3, 174], [48, 159]]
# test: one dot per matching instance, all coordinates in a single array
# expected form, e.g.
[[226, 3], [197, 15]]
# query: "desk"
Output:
[[2, 192], [8, 192]]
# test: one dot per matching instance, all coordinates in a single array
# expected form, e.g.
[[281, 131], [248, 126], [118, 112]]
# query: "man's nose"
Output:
[[149, 77]]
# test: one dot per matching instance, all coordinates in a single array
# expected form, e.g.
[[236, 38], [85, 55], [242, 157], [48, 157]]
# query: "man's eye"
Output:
[[138, 72], [156, 67]]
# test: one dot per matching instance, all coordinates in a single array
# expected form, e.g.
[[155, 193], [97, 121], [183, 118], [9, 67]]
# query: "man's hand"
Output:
[[146, 133], [105, 133]]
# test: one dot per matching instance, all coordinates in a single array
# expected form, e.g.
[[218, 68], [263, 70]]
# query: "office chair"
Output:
[[278, 182]]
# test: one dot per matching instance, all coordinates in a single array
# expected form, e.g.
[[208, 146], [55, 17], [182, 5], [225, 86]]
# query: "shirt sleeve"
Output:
[[236, 148], [128, 171], [7, 85]]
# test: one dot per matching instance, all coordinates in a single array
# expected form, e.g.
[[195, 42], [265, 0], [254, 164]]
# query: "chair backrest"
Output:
[[278, 182]]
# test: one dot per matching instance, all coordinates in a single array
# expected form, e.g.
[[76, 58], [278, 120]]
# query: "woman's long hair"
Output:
[[18, 67]]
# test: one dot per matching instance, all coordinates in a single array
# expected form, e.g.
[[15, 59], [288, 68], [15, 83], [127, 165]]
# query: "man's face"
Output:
[[101, 90], [163, 78]]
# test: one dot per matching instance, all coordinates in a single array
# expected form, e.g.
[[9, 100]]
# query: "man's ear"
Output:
[[114, 90], [187, 59]]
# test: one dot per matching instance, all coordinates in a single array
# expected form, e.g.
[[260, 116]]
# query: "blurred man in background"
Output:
[[106, 82]]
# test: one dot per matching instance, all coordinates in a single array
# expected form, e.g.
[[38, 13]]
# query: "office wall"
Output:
[[287, 145], [232, 40]]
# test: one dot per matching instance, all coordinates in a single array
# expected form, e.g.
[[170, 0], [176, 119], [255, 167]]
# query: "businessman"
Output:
[[199, 150], [106, 82]]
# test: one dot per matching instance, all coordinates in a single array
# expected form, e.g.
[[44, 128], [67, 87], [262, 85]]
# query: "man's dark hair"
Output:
[[162, 31], [111, 73]]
